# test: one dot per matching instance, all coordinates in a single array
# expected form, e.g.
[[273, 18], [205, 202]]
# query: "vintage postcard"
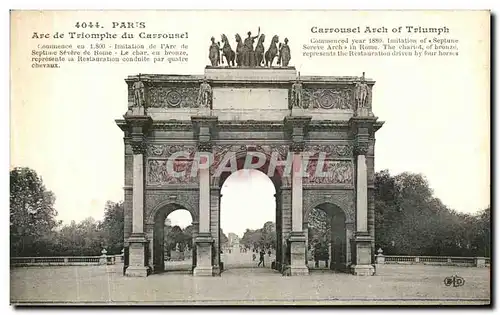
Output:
[[250, 157]]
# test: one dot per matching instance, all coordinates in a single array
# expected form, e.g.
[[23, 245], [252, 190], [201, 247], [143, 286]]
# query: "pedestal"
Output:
[[204, 243], [362, 260], [137, 256], [298, 254]]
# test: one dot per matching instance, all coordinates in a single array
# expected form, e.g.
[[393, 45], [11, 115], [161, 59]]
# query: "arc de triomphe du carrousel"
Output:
[[313, 136]]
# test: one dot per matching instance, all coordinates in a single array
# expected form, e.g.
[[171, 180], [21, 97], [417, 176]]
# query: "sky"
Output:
[[436, 110]]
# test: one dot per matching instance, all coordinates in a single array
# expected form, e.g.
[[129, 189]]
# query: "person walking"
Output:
[[254, 257], [261, 260]]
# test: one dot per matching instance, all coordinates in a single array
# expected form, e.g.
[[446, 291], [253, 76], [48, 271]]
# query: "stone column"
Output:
[[361, 195], [193, 244], [349, 232], [204, 240], [362, 262], [297, 237], [137, 240], [279, 241], [215, 198]]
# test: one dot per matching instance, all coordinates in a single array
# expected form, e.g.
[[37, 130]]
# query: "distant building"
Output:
[[234, 241]]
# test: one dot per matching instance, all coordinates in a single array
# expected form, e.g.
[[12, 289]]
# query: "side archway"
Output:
[[156, 222], [327, 236]]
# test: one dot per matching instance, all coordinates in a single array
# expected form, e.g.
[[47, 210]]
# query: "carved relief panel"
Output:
[[160, 170], [329, 172], [341, 98], [330, 151], [173, 97]]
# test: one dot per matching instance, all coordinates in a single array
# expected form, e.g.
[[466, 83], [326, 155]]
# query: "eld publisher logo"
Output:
[[455, 281]]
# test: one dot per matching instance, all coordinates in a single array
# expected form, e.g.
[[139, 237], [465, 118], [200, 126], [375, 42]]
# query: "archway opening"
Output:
[[327, 247], [249, 215], [173, 240]]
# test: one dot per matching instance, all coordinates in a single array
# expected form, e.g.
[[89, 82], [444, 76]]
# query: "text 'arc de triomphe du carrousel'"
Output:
[[185, 134]]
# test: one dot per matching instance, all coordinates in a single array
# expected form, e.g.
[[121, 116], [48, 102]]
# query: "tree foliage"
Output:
[[410, 220], [32, 213], [263, 238], [112, 227]]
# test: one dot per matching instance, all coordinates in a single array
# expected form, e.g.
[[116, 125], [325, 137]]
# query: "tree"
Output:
[[173, 236], [409, 220], [319, 226], [79, 239], [262, 238], [223, 238], [188, 234], [112, 227], [268, 235], [251, 239], [32, 213]]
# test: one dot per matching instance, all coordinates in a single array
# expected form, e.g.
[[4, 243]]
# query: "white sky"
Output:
[[436, 110]]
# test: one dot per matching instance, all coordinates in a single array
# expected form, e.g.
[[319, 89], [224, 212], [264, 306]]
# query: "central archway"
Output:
[[250, 199]]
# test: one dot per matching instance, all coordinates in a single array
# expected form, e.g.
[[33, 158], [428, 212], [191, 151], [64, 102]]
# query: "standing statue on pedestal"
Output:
[[239, 50], [248, 53], [138, 88], [285, 55], [227, 51], [361, 95], [296, 96], [213, 53], [272, 52], [205, 94], [259, 50]]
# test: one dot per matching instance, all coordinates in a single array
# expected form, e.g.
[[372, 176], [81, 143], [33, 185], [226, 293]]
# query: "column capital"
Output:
[[138, 146], [297, 146], [204, 146], [361, 147]]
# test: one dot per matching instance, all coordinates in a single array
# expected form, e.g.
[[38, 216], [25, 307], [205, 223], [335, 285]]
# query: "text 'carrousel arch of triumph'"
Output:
[[314, 137]]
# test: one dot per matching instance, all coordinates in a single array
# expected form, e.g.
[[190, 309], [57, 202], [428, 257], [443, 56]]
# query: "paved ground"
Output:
[[392, 284]]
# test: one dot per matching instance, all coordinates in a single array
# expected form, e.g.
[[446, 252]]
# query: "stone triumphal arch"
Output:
[[194, 121]]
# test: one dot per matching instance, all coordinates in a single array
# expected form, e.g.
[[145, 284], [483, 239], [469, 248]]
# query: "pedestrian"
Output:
[[269, 252], [261, 260], [254, 256]]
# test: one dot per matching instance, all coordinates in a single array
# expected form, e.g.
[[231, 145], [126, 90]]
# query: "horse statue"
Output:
[[259, 50], [272, 51], [227, 51], [239, 50]]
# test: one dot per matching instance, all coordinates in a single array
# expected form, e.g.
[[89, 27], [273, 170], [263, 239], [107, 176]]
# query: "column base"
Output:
[[137, 260], [298, 254], [202, 271], [363, 270], [136, 271], [204, 243]]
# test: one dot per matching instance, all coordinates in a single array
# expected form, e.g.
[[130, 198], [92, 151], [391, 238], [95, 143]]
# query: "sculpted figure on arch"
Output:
[[284, 54], [214, 53], [248, 53], [361, 93], [138, 88], [205, 94]]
